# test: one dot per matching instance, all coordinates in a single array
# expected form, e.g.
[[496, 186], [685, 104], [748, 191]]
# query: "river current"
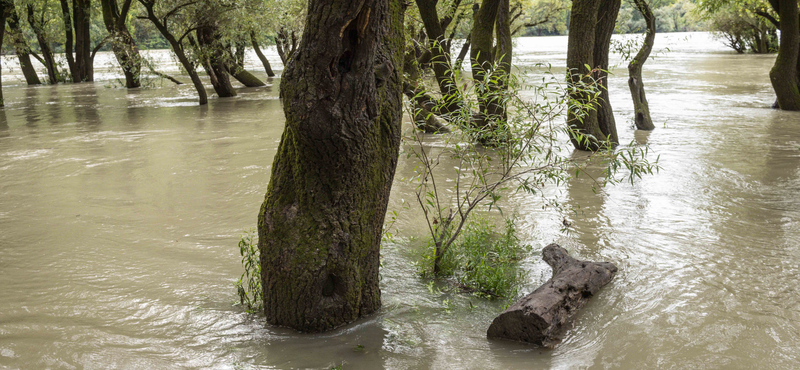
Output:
[[120, 212]]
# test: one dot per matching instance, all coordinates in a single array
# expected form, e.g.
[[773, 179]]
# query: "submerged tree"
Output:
[[122, 43], [641, 108], [21, 47], [590, 30], [785, 74], [320, 224]]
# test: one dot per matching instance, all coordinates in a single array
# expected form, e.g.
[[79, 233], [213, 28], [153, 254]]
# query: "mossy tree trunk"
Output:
[[320, 224], [786, 71], [177, 48], [123, 45], [37, 25], [591, 25], [641, 108], [261, 56], [21, 47]]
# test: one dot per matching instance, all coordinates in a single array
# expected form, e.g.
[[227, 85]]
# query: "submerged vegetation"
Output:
[[248, 287]]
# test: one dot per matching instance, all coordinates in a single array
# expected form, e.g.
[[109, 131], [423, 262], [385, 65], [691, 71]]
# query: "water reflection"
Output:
[[31, 104], [86, 106]]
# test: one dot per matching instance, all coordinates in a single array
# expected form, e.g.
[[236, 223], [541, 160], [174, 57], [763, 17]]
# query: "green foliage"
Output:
[[249, 285], [482, 260], [741, 29]]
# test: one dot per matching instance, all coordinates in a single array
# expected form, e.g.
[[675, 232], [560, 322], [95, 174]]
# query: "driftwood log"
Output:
[[538, 317]]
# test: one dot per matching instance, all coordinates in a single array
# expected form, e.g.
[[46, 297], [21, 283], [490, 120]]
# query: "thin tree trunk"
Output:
[[53, 75], [122, 43], [82, 12], [440, 56], [20, 45], [235, 66], [784, 74], [482, 58], [177, 48], [320, 224], [606, 20], [68, 43], [641, 108], [2, 35], [261, 57]]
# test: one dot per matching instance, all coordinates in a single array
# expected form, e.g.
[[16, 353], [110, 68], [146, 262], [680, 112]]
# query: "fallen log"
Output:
[[538, 317]]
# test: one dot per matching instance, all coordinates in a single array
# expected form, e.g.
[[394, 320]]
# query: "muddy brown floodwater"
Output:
[[120, 212]]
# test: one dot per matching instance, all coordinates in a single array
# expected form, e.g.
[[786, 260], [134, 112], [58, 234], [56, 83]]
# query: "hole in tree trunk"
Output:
[[330, 286]]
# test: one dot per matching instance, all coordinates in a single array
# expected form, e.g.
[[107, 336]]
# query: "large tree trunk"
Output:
[[261, 57], [53, 75], [641, 108], [784, 74], [320, 224], [590, 31], [538, 317], [82, 12], [122, 43], [177, 48], [214, 61], [20, 45]]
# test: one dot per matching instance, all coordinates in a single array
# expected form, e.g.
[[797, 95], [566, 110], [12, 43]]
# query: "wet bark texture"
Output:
[[122, 43], [177, 48], [261, 56], [539, 317], [320, 224], [785, 74], [591, 26], [21, 47], [641, 108], [214, 60]]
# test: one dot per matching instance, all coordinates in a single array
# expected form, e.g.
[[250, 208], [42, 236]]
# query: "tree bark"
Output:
[[214, 60], [177, 48], [2, 35], [538, 317], [590, 30], [320, 223], [68, 43], [235, 65], [440, 55], [641, 108], [21, 47], [122, 43], [53, 75], [786, 71], [82, 12], [261, 57], [606, 20]]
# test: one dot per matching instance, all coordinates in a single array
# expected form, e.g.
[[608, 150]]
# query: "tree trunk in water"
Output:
[[440, 56], [264, 60], [320, 224], [82, 10], [235, 66], [177, 48], [2, 35], [586, 31], [123, 45], [47, 54], [214, 61], [482, 58], [20, 45], [538, 317], [784, 74], [68, 43], [606, 20], [641, 108]]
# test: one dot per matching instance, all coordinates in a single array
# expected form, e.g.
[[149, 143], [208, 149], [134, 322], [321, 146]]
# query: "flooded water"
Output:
[[120, 212]]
